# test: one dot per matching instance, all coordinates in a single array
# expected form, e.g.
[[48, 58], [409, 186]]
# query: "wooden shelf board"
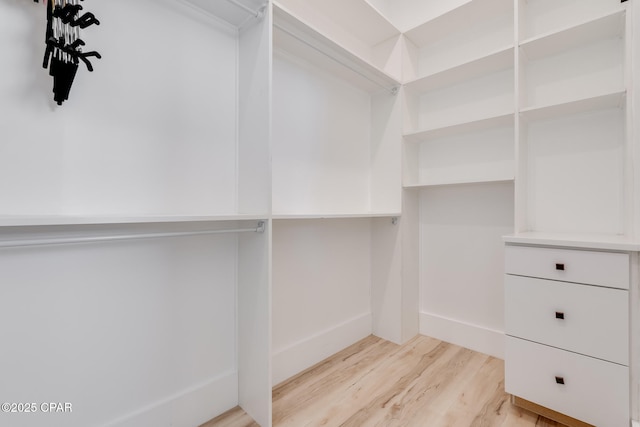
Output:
[[505, 119], [548, 44], [596, 102], [294, 36], [456, 19], [498, 60], [45, 220], [575, 240]]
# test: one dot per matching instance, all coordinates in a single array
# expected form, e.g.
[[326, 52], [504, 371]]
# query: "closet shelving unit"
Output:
[[336, 176], [335, 113], [200, 192], [456, 129], [575, 191], [573, 96]]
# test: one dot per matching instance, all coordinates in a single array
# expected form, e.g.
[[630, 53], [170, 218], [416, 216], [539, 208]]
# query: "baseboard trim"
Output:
[[474, 337], [305, 353], [188, 408]]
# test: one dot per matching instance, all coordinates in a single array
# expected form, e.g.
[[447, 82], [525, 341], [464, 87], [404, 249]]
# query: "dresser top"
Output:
[[575, 240]]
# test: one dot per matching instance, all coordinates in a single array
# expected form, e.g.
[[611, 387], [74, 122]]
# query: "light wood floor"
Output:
[[423, 383]]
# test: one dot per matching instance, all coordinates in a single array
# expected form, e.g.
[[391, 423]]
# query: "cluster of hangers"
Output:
[[63, 50]]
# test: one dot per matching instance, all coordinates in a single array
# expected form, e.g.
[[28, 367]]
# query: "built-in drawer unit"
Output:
[[585, 319], [610, 269], [567, 327], [585, 388]]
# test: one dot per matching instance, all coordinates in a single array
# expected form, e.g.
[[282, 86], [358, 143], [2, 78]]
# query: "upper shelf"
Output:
[[606, 26], [495, 61], [359, 17], [295, 36], [355, 25], [596, 102], [474, 125], [457, 19], [235, 12]]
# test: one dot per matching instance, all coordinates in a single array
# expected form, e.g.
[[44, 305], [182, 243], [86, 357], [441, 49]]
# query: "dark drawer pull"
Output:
[[560, 380], [559, 315], [559, 266]]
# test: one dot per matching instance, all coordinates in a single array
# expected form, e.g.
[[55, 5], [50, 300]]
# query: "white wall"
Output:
[[167, 82], [321, 290], [129, 333], [461, 263], [321, 141]]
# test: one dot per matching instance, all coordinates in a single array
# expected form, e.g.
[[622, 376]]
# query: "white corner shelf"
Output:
[[362, 19], [606, 26], [498, 60], [472, 125], [299, 38], [489, 178], [49, 220], [592, 103], [456, 19]]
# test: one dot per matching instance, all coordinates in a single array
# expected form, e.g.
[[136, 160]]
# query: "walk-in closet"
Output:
[[223, 198]]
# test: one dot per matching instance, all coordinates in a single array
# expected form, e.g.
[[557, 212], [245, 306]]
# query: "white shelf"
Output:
[[235, 12], [462, 127], [607, 26], [495, 61], [456, 19], [46, 220], [360, 18], [300, 39], [597, 102], [505, 173], [336, 216], [441, 183], [575, 240]]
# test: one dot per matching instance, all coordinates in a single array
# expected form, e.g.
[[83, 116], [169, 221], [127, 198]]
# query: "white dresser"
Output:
[[567, 324]]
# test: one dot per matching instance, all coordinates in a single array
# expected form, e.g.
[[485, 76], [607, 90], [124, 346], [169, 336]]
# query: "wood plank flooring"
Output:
[[423, 383]]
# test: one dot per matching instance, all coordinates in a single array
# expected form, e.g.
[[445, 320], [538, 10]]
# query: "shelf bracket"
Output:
[[394, 220], [261, 227], [395, 90]]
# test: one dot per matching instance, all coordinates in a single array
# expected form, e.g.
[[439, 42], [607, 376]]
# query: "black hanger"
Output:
[[66, 13], [73, 51], [85, 20]]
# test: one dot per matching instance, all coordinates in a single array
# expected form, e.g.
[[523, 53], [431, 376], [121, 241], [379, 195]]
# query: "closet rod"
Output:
[[393, 90], [247, 9], [98, 239]]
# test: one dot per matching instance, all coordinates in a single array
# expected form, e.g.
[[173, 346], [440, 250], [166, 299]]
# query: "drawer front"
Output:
[[608, 269], [585, 319], [594, 391]]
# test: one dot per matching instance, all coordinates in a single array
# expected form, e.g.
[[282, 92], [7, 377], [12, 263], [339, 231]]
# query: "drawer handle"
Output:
[[559, 315], [559, 266], [560, 380]]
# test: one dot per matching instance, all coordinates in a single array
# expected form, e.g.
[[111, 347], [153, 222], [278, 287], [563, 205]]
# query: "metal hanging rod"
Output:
[[97, 239], [393, 90], [247, 9]]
